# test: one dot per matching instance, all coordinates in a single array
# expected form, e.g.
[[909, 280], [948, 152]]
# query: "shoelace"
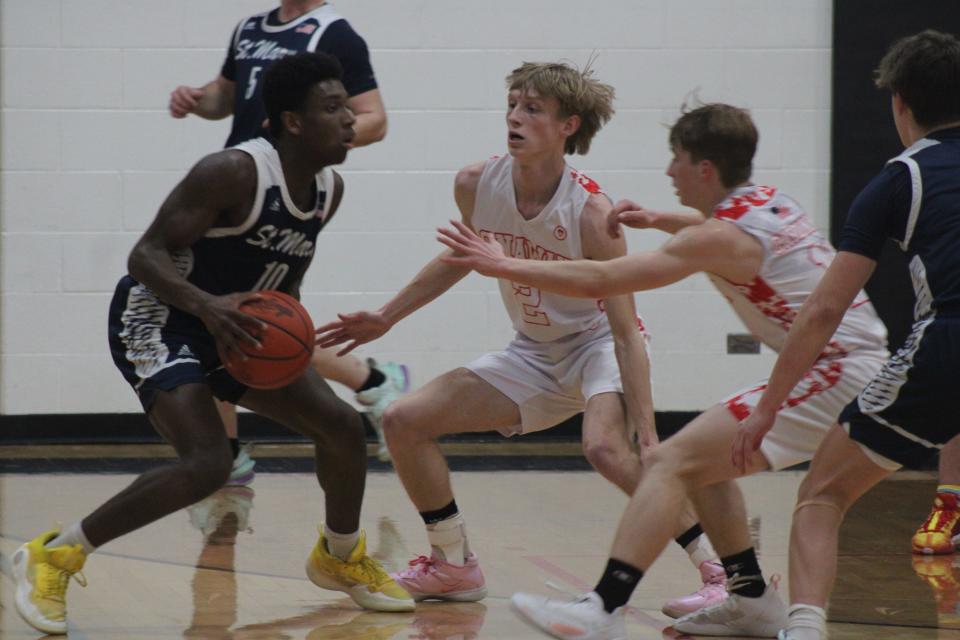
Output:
[[940, 520], [53, 582], [421, 564], [574, 597], [706, 614], [372, 570]]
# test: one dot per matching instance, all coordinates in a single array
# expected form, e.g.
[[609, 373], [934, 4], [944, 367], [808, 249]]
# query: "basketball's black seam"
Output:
[[295, 337]]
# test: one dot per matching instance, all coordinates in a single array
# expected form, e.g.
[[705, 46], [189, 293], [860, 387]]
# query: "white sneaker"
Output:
[[580, 619], [242, 474], [377, 399], [211, 513], [761, 617]]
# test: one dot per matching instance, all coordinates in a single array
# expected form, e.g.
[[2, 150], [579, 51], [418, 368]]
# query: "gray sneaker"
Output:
[[761, 617], [377, 399]]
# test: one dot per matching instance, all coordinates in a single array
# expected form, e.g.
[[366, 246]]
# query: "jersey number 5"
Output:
[[252, 82]]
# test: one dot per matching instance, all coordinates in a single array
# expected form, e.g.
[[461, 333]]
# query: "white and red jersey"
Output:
[[795, 257], [554, 234]]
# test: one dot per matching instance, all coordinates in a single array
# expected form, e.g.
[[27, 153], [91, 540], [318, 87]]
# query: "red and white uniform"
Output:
[[563, 350], [795, 257], [553, 235]]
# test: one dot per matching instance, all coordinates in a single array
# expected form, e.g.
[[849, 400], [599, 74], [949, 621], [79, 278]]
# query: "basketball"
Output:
[[287, 341]]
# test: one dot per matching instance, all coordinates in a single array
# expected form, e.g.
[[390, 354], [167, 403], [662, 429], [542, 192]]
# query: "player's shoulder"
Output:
[[597, 204], [227, 168], [469, 176]]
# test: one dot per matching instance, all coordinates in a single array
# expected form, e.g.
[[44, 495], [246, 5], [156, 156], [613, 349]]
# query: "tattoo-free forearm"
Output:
[[576, 278], [155, 268], [673, 221], [217, 100], [369, 128], [435, 278]]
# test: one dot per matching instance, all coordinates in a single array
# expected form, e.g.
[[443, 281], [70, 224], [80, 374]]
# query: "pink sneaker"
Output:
[[434, 578], [713, 592]]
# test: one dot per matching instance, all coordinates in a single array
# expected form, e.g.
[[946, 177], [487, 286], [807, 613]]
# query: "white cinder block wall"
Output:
[[89, 151]]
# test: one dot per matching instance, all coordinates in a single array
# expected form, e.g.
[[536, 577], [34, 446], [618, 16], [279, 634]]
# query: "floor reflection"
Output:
[[219, 518], [942, 575]]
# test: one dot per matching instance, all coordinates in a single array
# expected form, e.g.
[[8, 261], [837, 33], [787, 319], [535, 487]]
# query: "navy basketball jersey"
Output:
[[270, 249], [262, 38], [916, 201], [273, 246]]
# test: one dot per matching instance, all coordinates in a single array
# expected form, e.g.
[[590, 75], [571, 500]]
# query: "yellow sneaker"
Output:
[[42, 576], [935, 536], [360, 576]]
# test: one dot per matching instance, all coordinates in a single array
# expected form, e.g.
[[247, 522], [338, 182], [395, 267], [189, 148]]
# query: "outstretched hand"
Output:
[[354, 329], [630, 214], [470, 250], [749, 437]]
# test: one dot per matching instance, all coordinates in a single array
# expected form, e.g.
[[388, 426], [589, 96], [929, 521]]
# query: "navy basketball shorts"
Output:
[[158, 348], [908, 411]]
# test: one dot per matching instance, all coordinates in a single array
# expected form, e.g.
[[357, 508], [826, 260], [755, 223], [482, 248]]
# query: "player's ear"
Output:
[[291, 122], [706, 169], [571, 125]]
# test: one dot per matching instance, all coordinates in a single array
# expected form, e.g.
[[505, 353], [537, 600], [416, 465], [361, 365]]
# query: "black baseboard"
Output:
[[134, 428]]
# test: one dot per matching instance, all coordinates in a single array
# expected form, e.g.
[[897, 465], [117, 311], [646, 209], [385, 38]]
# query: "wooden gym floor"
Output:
[[245, 580]]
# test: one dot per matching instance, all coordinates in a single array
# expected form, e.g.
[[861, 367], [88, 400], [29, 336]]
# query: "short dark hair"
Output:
[[288, 81], [924, 70], [723, 134]]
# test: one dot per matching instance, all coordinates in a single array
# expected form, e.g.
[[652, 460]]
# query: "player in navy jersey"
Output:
[[242, 219], [908, 411], [258, 40]]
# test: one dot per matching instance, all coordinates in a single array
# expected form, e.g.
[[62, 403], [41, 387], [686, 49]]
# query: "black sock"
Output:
[[432, 517], [617, 584], [235, 447], [375, 379], [745, 566], [689, 535]]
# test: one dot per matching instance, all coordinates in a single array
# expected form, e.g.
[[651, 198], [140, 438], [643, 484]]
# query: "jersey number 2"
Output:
[[530, 300]]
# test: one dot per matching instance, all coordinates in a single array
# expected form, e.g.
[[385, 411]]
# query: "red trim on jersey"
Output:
[[589, 185], [735, 207], [766, 299], [824, 375], [740, 409]]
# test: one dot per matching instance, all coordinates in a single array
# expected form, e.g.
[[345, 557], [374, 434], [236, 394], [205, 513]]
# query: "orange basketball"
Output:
[[288, 342]]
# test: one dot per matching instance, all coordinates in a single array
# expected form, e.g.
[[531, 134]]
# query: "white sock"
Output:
[[341, 544], [806, 622], [449, 537], [700, 550], [71, 536]]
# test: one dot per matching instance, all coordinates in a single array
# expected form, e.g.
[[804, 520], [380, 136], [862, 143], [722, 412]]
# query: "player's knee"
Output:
[[399, 423], [208, 471], [602, 456], [815, 491], [668, 461]]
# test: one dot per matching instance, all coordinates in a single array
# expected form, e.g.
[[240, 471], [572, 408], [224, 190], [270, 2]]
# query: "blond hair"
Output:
[[578, 92]]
